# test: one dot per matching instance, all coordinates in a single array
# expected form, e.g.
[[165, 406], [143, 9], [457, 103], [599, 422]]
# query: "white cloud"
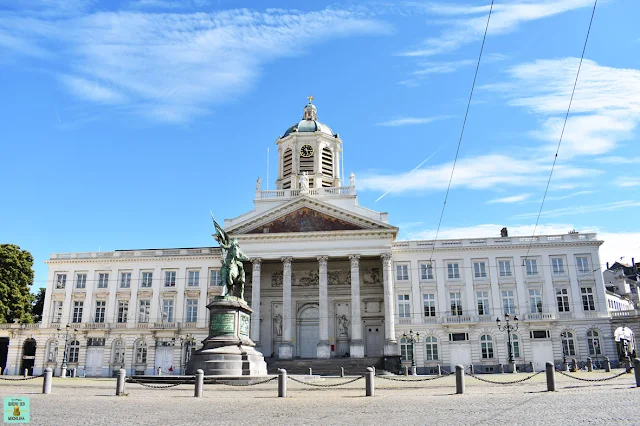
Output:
[[617, 160], [408, 121], [509, 200], [469, 21], [167, 4], [564, 197], [605, 109], [173, 66], [441, 67], [480, 172], [575, 210], [628, 181], [618, 244]]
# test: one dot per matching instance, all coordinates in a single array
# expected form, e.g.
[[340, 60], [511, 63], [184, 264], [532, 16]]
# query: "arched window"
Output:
[[52, 351], [118, 351], [568, 343], [141, 351], [593, 342], [486, 346], [515, 345], [431, 348], [74, 351], [406, 350]]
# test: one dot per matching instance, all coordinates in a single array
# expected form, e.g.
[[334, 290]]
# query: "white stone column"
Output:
[[285, 350], [356, 346], [323, 348], [255, 301], [390, 346]]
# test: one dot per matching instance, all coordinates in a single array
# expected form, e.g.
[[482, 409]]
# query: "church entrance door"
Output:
[[94, 361], [373, 340], [308, 331]]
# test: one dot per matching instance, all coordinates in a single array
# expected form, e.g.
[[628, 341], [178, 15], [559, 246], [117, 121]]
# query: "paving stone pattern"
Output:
[[93, 402]]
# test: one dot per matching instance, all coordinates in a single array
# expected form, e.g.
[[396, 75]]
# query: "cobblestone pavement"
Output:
[[93, 402]]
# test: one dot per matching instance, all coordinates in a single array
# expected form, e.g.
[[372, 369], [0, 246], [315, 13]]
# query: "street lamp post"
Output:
[[412, 339], [63, 369], [509, 329]]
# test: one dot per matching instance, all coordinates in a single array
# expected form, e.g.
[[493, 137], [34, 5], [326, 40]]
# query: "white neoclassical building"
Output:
[[327, 279]]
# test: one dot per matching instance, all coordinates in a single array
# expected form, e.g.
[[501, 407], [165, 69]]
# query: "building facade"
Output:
[[327, 278]]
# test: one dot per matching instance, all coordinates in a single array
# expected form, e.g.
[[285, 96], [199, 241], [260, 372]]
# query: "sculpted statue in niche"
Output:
[[343, 325], [277, 325]]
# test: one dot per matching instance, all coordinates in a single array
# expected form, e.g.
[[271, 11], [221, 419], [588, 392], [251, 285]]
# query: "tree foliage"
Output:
[[16, 276], [38, 305]]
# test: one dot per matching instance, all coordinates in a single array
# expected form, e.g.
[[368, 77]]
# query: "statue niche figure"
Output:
[[232, 270]]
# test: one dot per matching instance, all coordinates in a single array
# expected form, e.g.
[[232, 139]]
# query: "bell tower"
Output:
[[309, 151]]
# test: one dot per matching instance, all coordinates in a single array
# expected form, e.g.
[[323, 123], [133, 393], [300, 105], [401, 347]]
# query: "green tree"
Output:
[[38, 305], [16, 276]]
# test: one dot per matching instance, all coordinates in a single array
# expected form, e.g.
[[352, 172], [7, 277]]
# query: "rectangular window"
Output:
[[167, 310], [214, 278], [193, 278], [81, 280], [479, 270], [539, 334], [431, 349], [192, 310], [402, 272], [101, 308], [61, 281], [535, 301], [458, 337], [77, 312], [486, 346], [483, 302], [508, 302], [426, 271], [125, 280], [504, 267], [404, 307], [557, 266], [531, 267], [123, 311], [456, 303], [103, 280], [588, 303], [147, 279], [429, 301], [562, 297], [144, 307], [582, 263], [453, 270], [169, 278], [57, 312]]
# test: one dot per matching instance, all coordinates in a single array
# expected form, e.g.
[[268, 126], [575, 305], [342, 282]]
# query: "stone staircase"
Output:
[[324, 367]]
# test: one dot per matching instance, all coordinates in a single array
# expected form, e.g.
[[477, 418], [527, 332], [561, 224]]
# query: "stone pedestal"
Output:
[[323, 349], [342, 346], [356, 349], [228, 351], [285, 350]]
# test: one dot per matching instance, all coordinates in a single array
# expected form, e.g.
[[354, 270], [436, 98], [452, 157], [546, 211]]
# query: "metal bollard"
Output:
[[471, 370], [26, 372], [46, 383], [636, 367], [120, 382], [199, 383], [531, 366], [74, 372], [459, 379], [310, 371], [574, 365], [282, 383], [589, 364], [159, 371], [607, 364], [439, 370], [501, 369], [406, 370], [627, 364], [551, 377], [369, 382], [341, 371]]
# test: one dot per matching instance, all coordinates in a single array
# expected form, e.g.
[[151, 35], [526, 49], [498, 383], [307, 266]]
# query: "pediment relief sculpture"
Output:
[[305, 220]]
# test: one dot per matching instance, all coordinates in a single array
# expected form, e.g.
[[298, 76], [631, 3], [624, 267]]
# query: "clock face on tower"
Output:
[[306, 151]]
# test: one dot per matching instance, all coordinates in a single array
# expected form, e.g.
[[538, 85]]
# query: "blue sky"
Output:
[[124, 123]]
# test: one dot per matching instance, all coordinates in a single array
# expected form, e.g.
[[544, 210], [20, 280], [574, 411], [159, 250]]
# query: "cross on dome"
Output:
[[310, 97]]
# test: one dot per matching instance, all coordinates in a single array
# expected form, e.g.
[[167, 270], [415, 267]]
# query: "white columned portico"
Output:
[[285, 350], [390, 346], [324, 348], [356, 346], [255, 301]]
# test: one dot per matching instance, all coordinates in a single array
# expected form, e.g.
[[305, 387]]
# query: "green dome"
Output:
[[309, 126]]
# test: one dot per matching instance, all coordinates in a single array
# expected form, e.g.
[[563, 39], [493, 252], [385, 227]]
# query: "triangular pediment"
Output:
[[305, 219], [307, 215]]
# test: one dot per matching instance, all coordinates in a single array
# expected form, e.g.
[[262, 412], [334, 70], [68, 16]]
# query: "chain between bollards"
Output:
[[459, 379], [46, 383], [122, 373], [282, 383], [199, 384], [369, 378], [551, 377]]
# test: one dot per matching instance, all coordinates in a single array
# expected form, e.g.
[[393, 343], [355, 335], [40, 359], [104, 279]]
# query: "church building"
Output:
[[327, 279]]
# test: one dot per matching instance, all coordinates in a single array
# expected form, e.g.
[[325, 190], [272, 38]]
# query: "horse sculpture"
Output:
[[232, 270]]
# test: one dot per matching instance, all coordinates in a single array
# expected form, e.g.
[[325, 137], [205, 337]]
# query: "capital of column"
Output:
[[256, 261], [322, 261], [386, 259], [355, 260], [287, 261]]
